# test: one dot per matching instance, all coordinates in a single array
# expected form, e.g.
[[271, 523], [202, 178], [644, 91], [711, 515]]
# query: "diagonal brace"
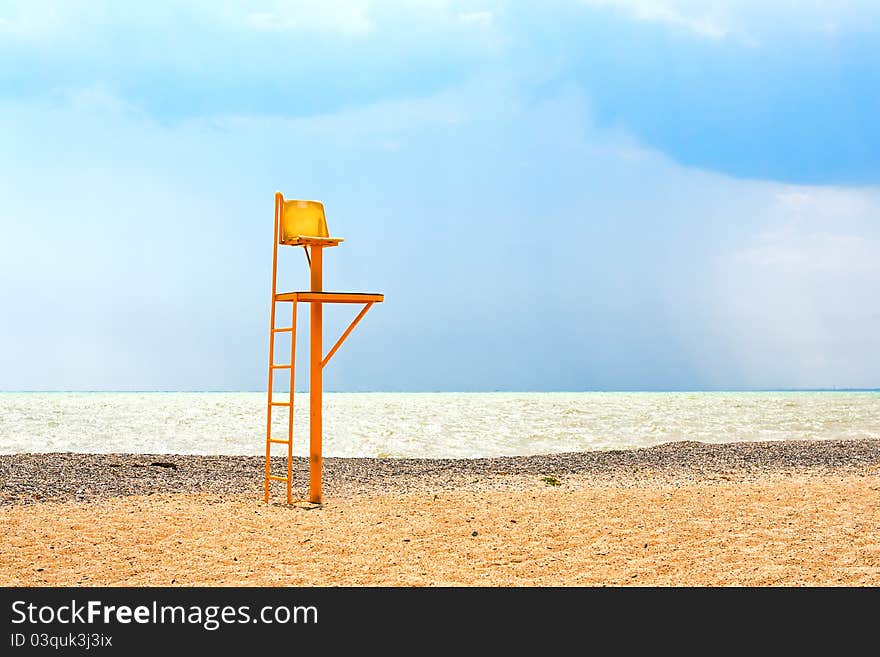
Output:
[[346, 334]]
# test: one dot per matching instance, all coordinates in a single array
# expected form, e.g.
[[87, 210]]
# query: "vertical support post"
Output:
[[290, 400], [316, 380]]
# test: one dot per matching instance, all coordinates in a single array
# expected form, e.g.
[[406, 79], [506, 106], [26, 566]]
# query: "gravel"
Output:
[[30, 478]]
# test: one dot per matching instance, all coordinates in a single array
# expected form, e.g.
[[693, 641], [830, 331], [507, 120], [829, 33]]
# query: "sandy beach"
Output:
[[775, 513]]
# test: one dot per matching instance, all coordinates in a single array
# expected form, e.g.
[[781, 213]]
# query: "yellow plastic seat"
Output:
[[303, 223]]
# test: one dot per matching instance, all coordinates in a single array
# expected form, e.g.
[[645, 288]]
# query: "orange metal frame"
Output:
[[316, 297]]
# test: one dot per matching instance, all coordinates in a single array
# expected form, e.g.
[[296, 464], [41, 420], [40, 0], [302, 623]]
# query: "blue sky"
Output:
[[604, 194]]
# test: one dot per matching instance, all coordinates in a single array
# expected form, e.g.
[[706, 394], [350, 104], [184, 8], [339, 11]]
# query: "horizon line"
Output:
[[559, 391]]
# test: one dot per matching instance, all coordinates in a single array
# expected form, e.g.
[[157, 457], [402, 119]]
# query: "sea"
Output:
[[426, 425]]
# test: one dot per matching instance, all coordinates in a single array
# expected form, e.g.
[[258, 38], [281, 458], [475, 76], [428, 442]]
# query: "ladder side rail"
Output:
[[275, 237]]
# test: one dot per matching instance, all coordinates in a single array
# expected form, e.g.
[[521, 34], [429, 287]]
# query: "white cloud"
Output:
[[348, 17], [798, 253], [476, 17], [797, 303], [379, 125], [97, 97], [28, 21], [749, 21], [697, 20], [817, 231]]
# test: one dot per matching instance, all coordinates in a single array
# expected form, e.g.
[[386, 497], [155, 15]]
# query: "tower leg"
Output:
[[290, 401], [316, 380]]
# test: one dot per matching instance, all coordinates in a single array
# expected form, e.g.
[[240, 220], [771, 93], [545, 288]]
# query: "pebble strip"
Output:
[[29, 478]]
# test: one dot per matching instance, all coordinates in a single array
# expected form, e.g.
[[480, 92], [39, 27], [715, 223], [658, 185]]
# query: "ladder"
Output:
[[272, 403]]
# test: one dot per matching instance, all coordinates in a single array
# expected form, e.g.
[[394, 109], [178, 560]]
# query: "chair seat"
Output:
[[331, 297], [309, 240]]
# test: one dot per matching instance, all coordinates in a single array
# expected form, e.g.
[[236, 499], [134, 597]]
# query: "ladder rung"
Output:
[[280, 367], [275, 440], [283, 329], [279, 403], [274, 478]]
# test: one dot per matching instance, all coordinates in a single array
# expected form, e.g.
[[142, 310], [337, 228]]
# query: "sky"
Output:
[[565, 195]]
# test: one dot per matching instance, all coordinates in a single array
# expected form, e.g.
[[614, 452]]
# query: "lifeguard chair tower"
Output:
[[302, 223]]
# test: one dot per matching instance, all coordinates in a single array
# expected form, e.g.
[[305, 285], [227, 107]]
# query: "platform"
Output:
[[331, 297]]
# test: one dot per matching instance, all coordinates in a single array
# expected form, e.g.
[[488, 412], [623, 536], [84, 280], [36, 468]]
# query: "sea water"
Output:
[[433, 425]]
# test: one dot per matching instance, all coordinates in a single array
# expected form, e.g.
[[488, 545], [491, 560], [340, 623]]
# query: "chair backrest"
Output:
[[304, 218]]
